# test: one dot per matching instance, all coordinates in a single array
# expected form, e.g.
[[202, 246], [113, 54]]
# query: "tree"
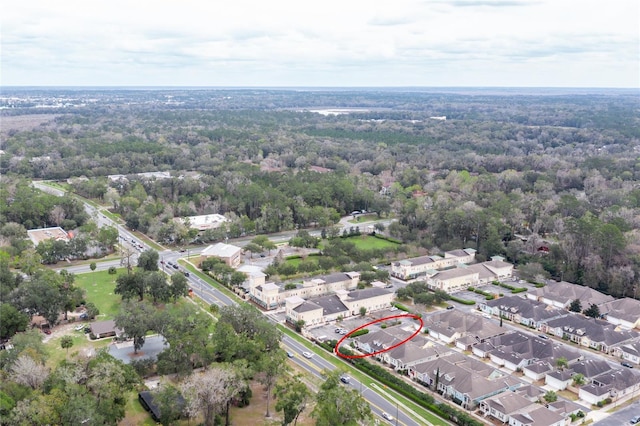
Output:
[[135, 319], [130, 285], [339, 405], [179, 286], [550, 396], [11, 321], [271, 366], [92, 310], [170, 404], [92, 266], [66, 342], [575, 306], [155, 283], [593, 311], [107, 237], [148, 260], [209, 392], [562, 363], [252, 248], [363, 311], [578, 379], [293, 396], [26, 371]]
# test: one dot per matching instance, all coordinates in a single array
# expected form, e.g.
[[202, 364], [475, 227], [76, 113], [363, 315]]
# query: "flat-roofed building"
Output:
[[230, 254], [203, 222], [54, 233]]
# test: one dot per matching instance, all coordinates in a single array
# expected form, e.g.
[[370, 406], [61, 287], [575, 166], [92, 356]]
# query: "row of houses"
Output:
[[343, 304], [453, 272], [537, 357]]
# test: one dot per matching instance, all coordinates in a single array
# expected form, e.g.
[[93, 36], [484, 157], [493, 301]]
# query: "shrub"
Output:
[[463, 301], [360, 332], [401, 307]]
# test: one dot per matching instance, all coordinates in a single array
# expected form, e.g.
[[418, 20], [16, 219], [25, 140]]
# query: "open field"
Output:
[[99, 287], [366, 242]]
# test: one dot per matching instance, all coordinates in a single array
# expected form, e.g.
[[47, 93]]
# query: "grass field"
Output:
[[99, 287], [366, 242]]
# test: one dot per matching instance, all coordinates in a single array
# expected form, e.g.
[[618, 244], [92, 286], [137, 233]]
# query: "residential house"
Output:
[[589, 332], [451, 325], [589, 368], [503, 405], [613, 384], [463, 276], [520, 355], [623, 312], [417, 267], [230, 254], [102, 329], [561, 294], [537, 416], [537, 370], [410, 353], [629, 352], [530, 313]]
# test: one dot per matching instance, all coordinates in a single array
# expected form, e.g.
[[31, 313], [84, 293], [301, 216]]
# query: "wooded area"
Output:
[[543, 177]]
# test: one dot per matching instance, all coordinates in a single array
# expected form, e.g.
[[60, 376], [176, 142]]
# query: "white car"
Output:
[[307, 354], [387, 416]]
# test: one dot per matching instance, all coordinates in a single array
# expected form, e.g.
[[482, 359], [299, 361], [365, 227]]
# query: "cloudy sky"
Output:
[[551, 43]]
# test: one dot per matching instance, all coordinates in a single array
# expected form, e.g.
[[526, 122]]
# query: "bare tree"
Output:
[[211, 391], [26, 371]]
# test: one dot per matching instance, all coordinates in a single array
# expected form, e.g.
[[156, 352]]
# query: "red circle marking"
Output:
[[413, 316]]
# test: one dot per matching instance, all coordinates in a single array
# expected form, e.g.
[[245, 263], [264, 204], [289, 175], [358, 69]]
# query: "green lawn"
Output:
[[366, 242], [99, 287]]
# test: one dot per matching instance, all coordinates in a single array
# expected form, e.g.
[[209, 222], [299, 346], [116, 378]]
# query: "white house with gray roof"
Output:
[[593, 333], [561, 294], [531, 313], [629, 351], [417, 267], [624, 312]]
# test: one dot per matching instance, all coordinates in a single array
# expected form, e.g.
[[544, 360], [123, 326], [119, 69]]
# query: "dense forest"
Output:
[[547, 178]]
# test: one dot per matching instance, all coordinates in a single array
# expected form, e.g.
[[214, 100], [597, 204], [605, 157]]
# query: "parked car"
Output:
[[307, 355], [450, 307], [626, 364], [46, 330]]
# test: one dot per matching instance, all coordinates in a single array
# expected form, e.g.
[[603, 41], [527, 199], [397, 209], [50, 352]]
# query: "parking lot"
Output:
[[328, 331]]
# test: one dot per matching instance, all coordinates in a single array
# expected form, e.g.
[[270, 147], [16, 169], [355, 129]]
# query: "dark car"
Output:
[[626, 364], [186, 274], [87, 330], [449, 307], [175, 266]]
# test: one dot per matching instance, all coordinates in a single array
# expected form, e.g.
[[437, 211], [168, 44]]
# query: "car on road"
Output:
[[626, 364], [345, 379], [387, 416], [635, 420], [186, 274], [543, 336], [174, 266], [290, 354], [307, 355], [450, 307]]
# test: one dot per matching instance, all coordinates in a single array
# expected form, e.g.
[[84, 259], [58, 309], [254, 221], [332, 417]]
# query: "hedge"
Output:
[[360, 332], [463, 301], [402, 307], [390, 239]]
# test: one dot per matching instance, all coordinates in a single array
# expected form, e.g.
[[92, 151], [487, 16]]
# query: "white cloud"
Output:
[[330, 43]]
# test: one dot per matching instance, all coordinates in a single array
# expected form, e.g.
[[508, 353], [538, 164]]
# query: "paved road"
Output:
[[621, 417]]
